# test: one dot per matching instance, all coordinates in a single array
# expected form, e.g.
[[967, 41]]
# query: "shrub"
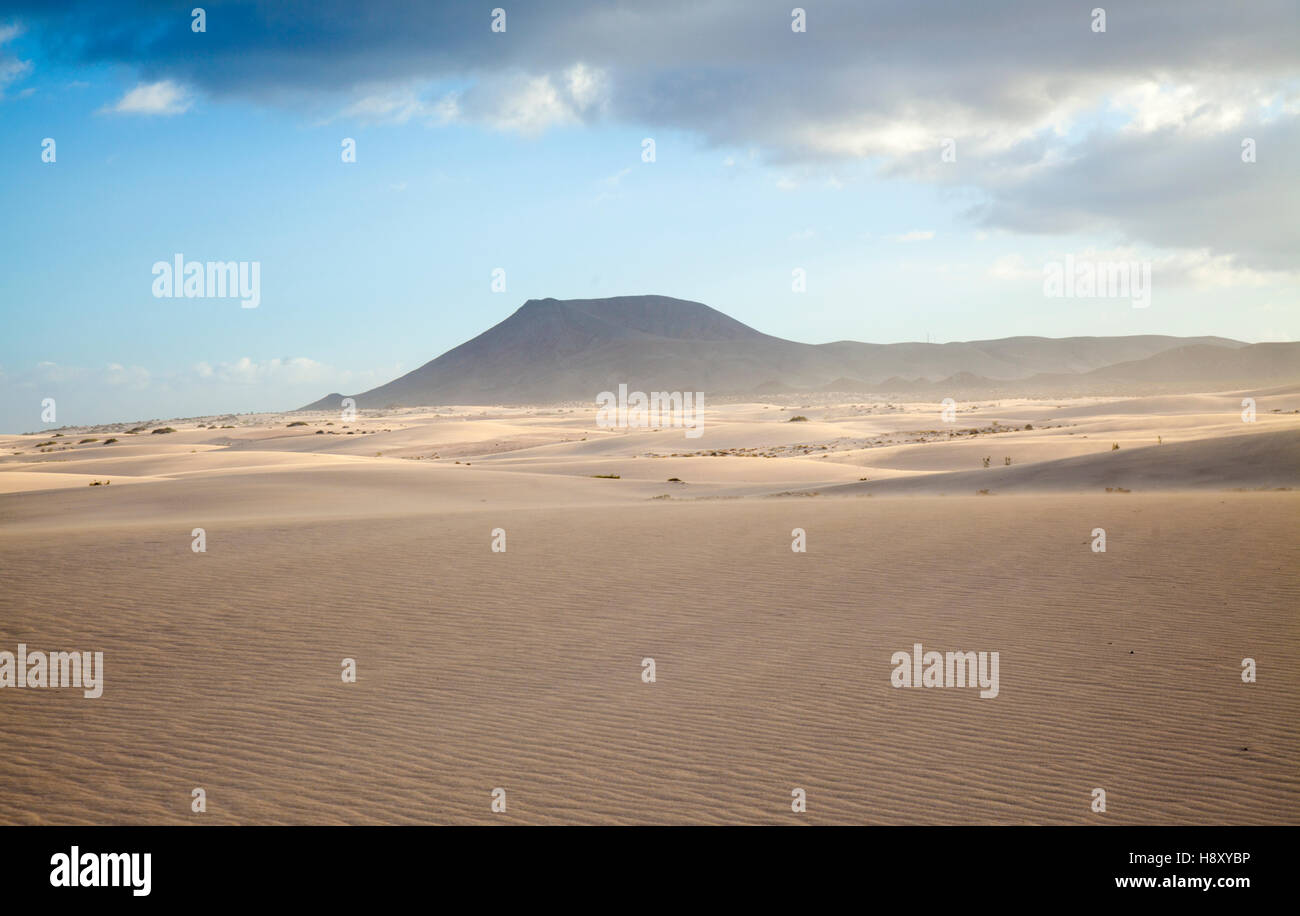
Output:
[[163, 429], [109, 441], [84, 441], [298, 423], [799, 419]]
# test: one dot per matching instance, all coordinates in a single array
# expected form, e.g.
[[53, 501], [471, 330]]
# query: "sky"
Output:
[[919, 165]]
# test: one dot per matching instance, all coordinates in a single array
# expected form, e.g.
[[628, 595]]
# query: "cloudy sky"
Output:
[[524, 149]]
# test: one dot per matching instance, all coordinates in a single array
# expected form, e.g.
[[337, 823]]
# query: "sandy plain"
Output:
[[370, 538]]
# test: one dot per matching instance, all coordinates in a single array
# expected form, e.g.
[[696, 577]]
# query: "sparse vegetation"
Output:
[[799, 419], [163, 429], [84, 441], [298, 423], [607, 476], [109, 441], [1114, 446]]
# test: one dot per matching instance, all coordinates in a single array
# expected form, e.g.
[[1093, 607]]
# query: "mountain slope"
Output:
[[552, 350]]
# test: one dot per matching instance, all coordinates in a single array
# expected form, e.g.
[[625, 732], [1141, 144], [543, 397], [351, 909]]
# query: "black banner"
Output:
[[337, 864]]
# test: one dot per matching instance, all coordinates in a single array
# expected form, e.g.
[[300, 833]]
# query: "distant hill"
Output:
[[1266, 459], [552, 350]]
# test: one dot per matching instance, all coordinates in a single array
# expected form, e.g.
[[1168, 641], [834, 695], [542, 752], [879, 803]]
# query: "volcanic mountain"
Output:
[[555, 350]]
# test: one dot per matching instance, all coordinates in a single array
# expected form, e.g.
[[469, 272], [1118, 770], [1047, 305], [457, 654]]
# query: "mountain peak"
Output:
[[618, 317], [571, 349]]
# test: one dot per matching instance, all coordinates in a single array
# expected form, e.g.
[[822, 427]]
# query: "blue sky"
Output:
[[369, 269]]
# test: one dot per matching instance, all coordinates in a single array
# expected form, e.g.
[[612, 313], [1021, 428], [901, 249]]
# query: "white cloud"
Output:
[[11, 68], [516, 101], [1011, 267], [1198, 269], [136, 377], [161, 98], [613, 180], [245, 371], [1196, 108]]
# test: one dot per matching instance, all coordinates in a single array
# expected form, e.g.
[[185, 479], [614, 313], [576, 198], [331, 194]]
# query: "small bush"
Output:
[[84, 441], [607, 476], [799, 419], [109, 441], [163, 429], [298, 423]]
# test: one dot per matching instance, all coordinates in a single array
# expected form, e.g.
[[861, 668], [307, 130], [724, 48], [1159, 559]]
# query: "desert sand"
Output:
[[371, 538]]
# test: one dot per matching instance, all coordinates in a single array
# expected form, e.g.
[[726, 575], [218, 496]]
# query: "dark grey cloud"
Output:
[[883, 82]]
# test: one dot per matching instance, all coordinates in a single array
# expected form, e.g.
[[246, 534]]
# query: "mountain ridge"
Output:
[[556, 350]]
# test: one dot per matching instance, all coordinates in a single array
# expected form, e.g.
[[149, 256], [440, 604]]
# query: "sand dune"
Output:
[[1264, 460], [522, 669]]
